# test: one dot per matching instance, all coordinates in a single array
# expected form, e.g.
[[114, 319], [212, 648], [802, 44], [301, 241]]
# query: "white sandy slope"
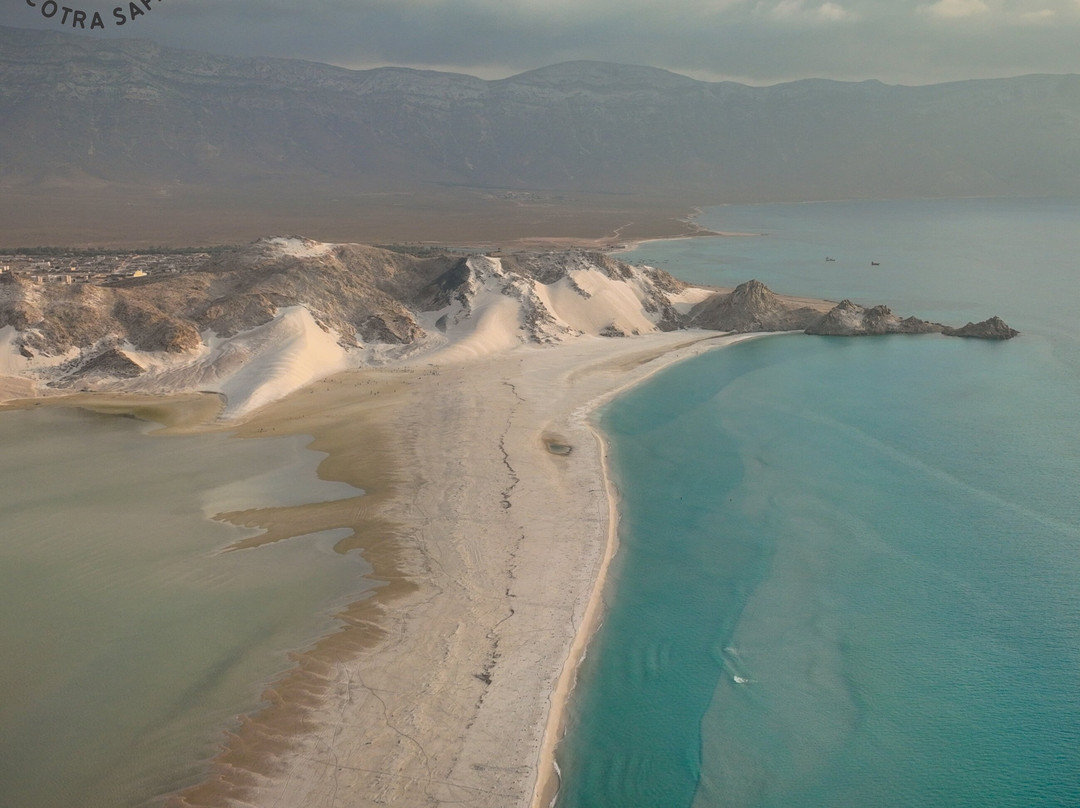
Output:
[[499, 311], [505, 310], [250, 369]]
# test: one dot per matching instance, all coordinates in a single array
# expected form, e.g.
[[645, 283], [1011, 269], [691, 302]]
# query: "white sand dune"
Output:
[[250, 369], [493, 326], [284, 355], [604, 304]]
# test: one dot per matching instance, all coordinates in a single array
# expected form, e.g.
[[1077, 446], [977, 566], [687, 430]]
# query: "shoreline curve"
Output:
[[449, 682]]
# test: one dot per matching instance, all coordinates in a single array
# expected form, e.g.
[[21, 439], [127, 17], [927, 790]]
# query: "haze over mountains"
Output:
[[76, 110]]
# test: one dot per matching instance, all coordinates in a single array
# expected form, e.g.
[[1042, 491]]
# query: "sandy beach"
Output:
[[488, 517], [489, 521]]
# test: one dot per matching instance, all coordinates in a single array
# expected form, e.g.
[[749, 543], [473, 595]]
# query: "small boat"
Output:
[[874, 264]]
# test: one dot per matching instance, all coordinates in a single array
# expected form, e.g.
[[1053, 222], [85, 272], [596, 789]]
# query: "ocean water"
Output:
[[850, 568], [129, 641]]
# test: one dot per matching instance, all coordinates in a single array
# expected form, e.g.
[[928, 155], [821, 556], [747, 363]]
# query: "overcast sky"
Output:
[[753, 41]]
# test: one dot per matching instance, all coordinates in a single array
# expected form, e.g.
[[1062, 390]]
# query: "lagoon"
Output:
[[132, 638]]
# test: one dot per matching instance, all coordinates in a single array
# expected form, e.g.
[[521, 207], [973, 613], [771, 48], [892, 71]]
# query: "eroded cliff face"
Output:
[[292, 308]]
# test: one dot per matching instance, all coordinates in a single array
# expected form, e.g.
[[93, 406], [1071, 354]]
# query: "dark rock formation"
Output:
[[110, 363], [849, 319], [994, 328], [751, 307]]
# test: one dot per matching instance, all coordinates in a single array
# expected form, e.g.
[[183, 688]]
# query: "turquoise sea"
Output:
[[850, 568]]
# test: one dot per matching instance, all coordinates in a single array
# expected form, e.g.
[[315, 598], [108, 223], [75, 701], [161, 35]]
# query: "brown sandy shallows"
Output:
[[176, 413], [488, 520]]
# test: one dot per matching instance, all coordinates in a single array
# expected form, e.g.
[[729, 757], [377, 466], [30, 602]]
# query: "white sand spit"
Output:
[[504, 541]]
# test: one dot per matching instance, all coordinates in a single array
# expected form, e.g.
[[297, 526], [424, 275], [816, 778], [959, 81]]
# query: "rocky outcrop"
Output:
[[112, 363], [849, 319], [994, 328], [751, 307]]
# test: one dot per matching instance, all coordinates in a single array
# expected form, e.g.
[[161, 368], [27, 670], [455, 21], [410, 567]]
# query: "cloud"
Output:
[[786, 9], [1045, 15], [833, 11], [799, 11], [955, 9], [757, 41]]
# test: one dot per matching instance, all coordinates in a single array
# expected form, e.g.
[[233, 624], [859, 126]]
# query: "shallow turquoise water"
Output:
[[130, 641], [850, 571]]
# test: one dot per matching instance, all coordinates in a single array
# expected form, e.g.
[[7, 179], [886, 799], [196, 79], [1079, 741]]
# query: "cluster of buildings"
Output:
[[97, 268]]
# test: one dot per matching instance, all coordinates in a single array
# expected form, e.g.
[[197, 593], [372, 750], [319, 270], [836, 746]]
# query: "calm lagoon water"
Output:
[[850, 571], [130, 640]]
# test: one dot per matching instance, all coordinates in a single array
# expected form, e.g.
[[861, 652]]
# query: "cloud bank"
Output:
[[757, 41]]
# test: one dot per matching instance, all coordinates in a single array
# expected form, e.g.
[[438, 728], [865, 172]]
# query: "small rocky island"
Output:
[[753, 307], [994, 328]]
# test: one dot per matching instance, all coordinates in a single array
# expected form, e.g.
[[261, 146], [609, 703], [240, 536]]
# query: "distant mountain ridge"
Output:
[[83, 108]]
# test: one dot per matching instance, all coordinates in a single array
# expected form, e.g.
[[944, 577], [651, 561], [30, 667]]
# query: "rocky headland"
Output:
[[299, 309]]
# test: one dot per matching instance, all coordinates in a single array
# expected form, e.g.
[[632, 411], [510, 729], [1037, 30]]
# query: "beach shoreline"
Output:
[[447, 683], [474, 662], [547, 784]]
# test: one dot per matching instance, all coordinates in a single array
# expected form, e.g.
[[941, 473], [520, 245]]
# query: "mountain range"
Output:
[[78, 109]]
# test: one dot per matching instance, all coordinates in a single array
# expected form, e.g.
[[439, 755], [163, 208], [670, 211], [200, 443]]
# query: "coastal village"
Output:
[[100, 268]]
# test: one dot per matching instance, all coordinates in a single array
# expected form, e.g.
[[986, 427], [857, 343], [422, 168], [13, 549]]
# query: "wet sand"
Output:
[[489, 522], [176, 413]]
